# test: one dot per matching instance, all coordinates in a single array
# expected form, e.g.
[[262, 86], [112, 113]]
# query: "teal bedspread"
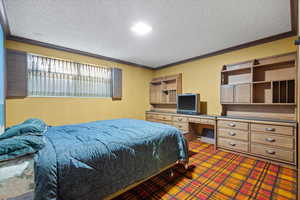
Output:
[[22, 139], [93, 160]]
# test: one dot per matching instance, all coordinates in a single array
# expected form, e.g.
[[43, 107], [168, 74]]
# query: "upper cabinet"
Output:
[[164, 90], [263, 87], [263, 81]]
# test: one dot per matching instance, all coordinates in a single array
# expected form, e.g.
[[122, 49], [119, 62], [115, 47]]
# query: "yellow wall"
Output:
[[199, 76], [203, 76], [58, 111]]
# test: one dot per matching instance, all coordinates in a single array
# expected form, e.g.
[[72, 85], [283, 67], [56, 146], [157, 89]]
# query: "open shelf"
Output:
[[262, 92], [264, 86], [272, 72], [284, 91], [237, 77], [164, 90]]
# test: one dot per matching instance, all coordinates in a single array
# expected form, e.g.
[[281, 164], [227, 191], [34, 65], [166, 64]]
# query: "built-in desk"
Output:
[[190, 125], [267, 139]]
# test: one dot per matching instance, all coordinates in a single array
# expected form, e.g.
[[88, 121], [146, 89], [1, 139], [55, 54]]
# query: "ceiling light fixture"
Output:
[[141, 28]]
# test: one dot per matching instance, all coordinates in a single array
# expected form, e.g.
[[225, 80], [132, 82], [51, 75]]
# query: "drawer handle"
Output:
[[270, 129], [231, 124], [163, 118], [179, 119], [270, 152], [232, 144], [231, 133], [270, 139], [180, 126]]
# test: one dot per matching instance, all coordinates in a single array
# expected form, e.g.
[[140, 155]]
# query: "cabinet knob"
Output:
[[270, 152], [270, 129], [231, 124], [232, 144], [232, 133], [270, 139]]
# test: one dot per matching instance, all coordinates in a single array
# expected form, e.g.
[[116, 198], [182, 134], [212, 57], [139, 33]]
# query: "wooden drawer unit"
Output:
[[233, 134], [285, 130], [273, 152], [165, 117], [182, 126], [233, 124], [272, 139], [208, 121], [166, 122], [150, 117], [233, 144], [195, 120], [180, 119]]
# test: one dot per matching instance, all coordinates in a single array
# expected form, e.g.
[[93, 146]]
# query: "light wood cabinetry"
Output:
[[164, 90], [181, 121], [227, 93], [267, 139], [259, 106], [262, 82]]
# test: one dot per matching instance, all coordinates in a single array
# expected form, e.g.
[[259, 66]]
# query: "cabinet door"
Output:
[[242, 93], [227, 94]]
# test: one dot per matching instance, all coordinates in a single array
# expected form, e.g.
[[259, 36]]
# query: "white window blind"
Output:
[[59, 78]]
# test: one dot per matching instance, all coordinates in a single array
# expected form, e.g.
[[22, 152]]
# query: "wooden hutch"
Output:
[[259, 109]]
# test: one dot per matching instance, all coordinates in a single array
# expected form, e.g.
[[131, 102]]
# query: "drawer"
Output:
[[232, 133], [165, 117], [180, 119], [195, 120], [211, 121], [182, 126], [233, 144], [153, 120], [202, 121], [285, 130], [166, 122], [233, 124], [149, 116], [272, 139], [272, 152], [152, 116]]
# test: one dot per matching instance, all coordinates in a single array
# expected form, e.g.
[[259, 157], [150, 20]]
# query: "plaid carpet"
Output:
[[219, 176]]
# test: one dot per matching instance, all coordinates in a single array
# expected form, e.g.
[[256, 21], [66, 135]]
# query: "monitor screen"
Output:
[[187, 102]]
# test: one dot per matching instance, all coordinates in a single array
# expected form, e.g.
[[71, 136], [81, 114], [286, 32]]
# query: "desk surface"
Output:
[[218, 117]]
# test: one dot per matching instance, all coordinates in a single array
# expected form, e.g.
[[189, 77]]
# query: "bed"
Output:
[[99, 159]]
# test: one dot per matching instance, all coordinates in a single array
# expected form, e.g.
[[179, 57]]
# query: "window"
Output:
[[59, 78]]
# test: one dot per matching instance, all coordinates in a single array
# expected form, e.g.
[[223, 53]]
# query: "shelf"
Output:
[[257, 82], [162, 103], [264, 104], [234, 70], [275, 63]]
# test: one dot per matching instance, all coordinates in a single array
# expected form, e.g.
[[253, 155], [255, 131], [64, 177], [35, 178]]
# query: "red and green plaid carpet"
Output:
[[219, 176]]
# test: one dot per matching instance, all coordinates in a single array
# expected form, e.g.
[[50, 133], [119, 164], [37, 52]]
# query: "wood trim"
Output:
[[294, 29], [66, 49], [241, 46], [294, 15]]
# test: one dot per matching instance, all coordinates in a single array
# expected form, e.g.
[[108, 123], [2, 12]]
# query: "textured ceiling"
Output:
[[181, 29]]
